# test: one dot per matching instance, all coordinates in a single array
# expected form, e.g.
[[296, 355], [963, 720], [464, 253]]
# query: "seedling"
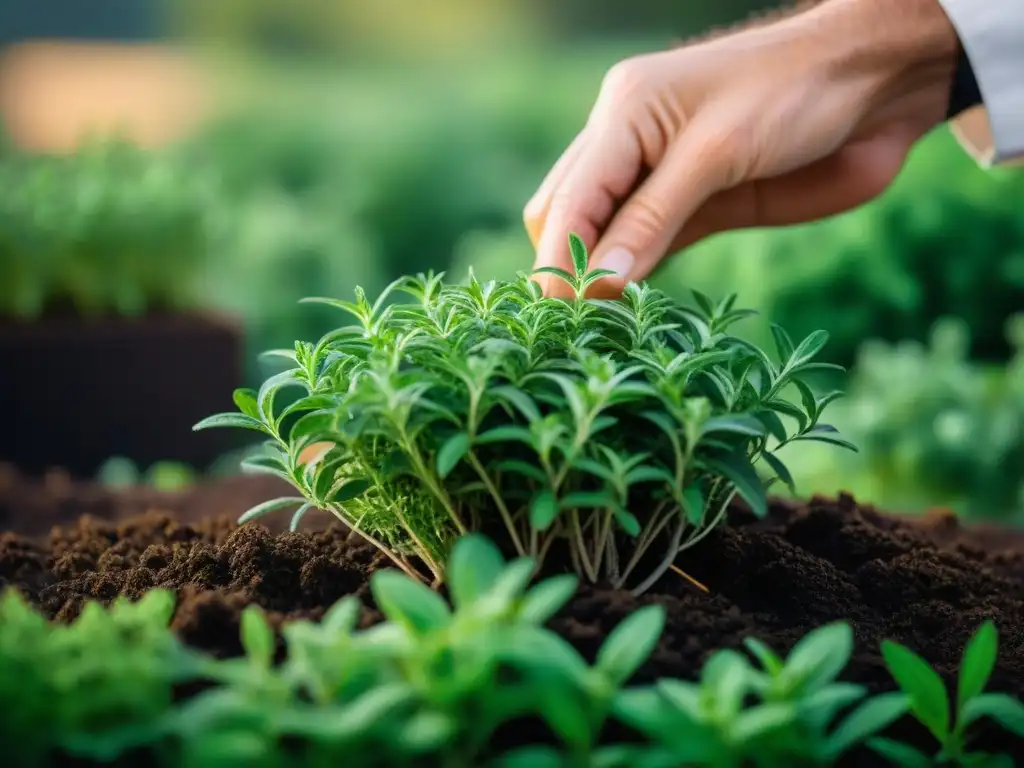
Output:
[[930, 704], [614, 428]]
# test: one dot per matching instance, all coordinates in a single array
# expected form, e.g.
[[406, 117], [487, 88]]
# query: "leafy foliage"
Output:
[[439, 684], [108, 229], [608, 426], [932, 424], [930, 704]]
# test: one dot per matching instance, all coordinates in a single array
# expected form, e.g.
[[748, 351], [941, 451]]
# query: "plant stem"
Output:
[[582, 547], [502, 509], [663, 566]]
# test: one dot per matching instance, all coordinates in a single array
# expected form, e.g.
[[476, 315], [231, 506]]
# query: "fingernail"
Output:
[[618, 260]]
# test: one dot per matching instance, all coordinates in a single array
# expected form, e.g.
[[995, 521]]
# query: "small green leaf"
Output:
[[871, 717], [451, 453], [257, 637], [929, 700], [543, 510], [579, 254], [783, 343], [1004, 709], [630, 643], [245, 399], [266, 507], [473, 568], [979, 660], [739, 424], [760, 720], [350, 489], [626, 520], [900, 754], [736, 468], [561, 273], [238, 420], [505, 434], [694, 505], [780, 470], [409, 603], [547, 598], [807, 349], [819, 656], [769, 660]]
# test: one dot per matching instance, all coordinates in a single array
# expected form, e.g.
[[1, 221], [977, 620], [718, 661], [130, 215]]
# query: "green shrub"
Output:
[[108, 230], [935, 427], [435, 685], [485, 404]]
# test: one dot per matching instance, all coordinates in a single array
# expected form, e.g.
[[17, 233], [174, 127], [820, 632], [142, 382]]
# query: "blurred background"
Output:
[[253, 152]]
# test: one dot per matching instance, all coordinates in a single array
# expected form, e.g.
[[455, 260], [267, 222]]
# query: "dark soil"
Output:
[[927, 583], [77, 391]]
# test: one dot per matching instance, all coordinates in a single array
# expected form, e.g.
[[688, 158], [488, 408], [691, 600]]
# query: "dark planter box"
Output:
[[74, 392]]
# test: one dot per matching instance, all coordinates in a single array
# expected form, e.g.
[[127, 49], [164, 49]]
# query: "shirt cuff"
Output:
[[992, 35]]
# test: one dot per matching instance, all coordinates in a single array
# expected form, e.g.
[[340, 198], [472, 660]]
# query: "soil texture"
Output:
[[83, 390], [926, 583]]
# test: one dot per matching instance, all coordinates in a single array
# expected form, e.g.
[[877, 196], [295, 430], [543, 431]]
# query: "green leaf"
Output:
[[783, 343], [929, 700], [828, 438], [473, 568], [543, 510], [566, 276], [630, 643], [297, 517], [761, 720], [505, 434], [780, 469], [451, 453], [266, 507], [529, 757], [245, 399], [579, 254], [694, 505], [257, 637], [871, 717], [518, 398], [350, 489], [736, 468], [626, 520], [237, 420], [900, 754], [409, 603], [819, 656], [979, 660], [740, 424], [547, 598], [807, 349], [769, 660], [1004, 709]]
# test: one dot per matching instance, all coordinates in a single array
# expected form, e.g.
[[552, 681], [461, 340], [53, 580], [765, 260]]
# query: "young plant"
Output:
[[930, 704], [613, 428]]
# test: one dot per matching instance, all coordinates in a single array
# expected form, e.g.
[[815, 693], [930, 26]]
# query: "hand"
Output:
[[787, 122]]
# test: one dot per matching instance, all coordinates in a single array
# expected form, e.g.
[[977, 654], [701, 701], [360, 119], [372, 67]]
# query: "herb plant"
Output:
[[617, 428], [110, 229], [479, 682], [930, 704]]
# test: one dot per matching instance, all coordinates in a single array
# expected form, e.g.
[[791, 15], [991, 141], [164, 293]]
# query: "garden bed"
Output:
[[927, 584]]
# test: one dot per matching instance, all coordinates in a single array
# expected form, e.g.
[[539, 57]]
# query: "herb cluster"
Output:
[[617, 428], [110, 229], [436, 685]]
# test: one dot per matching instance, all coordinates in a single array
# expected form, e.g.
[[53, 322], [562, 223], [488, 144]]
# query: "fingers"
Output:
[[536, 211], [605, 167], [648, 223]]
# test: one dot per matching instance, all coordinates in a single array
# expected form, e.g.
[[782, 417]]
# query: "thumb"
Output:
[[646, 225]]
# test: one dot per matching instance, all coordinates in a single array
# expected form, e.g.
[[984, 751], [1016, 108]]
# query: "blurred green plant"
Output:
[[109, 229], [931, 424], [436, 684]]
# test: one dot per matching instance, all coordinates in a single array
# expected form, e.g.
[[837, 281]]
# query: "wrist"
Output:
[[891, 43]]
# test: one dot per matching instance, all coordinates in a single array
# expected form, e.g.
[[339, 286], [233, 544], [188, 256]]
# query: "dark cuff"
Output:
[[965, 92]]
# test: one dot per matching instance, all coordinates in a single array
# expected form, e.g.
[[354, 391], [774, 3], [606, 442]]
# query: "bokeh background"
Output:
[[238, 155]]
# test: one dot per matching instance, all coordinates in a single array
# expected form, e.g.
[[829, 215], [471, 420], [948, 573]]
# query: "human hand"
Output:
[[787, 122]]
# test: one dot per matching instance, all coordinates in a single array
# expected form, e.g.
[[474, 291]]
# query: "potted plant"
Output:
[[102, 329]]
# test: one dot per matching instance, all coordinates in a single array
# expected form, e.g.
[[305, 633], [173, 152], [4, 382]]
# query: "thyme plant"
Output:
[[619, 428]]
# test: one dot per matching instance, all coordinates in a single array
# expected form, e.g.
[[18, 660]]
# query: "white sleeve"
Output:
[[992, 34]]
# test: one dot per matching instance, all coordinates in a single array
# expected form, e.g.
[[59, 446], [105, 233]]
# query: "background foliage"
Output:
[[339, 168]]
